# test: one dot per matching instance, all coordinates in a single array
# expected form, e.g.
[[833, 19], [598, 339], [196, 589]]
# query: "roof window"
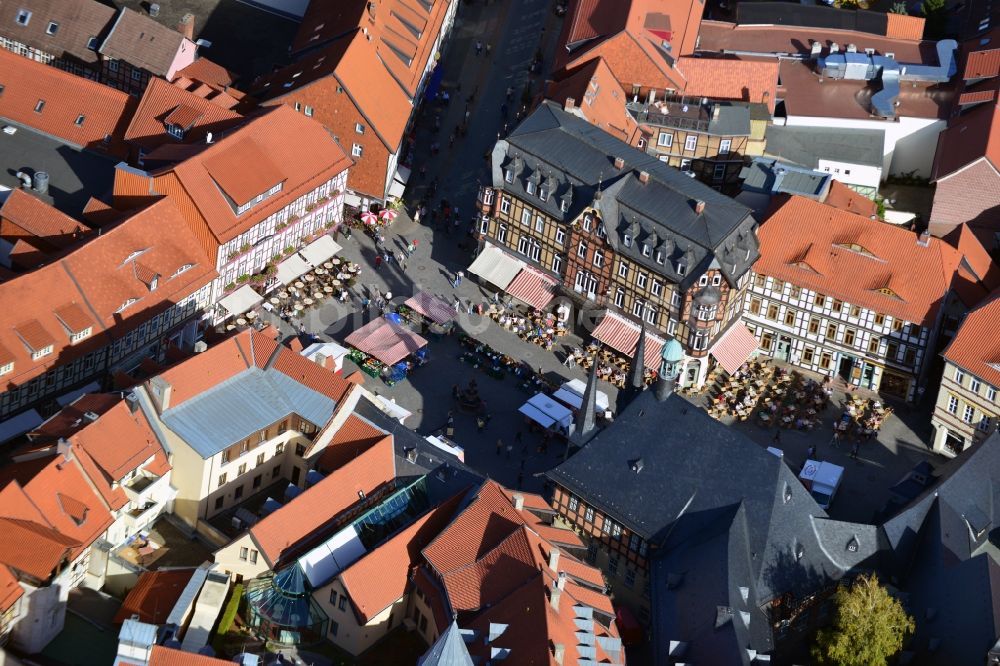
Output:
[[92, 43], [39, 106], [52, 28], [79, 120], [23, 17]]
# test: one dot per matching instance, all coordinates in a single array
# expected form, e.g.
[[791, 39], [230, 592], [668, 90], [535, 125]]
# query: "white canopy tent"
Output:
[[241, 300], [546, 412], [496, 266], [292, 268], [571, 393], [320, 250]]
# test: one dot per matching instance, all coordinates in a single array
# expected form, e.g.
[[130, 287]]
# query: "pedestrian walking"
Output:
[[811, 452], [510, 92], [401, 259], [451, 139], [416, 216], [836, 438], [378, 261], [854, 450], [480, 423], [410, 248], [468, 308], [458, 305], [488, 49], [499, 446], [479, 47], [458, 279], [570, 360], [510, 447]]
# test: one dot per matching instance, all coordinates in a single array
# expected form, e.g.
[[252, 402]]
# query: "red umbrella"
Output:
[[388, 214], [369, 217]]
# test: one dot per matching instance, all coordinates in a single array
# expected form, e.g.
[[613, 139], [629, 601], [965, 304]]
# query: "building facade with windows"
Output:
[[967, 405], [218, 465], [130, 293], [629, 239], [248, 221], [839, 294], [712, 140]]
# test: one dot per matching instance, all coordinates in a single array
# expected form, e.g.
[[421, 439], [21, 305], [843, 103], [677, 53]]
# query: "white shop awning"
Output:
[[571, 393], [320, 250], [496, 266], [240, 300], [545, 411], [291, 268]]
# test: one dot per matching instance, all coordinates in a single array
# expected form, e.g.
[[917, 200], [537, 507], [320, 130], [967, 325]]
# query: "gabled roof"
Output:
[[142, 42], [577, 159], [306, 152], [972, 136], [58, 487], [34, 548], [95, 281], [73, 109], [282, 532], [353, 437], [380, 577], [154, 595], [78, 21], [164, 656], [10, 591], [164, 103], [640, 39], [915, 279], [210, 73], [256, 381], [731, 79], [976, 346], [808, 145], [596, 95], [39, 219]]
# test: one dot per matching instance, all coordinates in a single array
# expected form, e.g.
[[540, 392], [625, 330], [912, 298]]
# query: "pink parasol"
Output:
[[388, 214], [369, 217]]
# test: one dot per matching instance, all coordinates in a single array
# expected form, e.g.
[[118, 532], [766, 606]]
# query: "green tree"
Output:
[[869, 626], [936, 16]]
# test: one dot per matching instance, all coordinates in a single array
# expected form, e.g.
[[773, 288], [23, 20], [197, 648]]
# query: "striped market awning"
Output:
[[622, 335], [386, 341], [734, 347], [532, 287], [432, 307]]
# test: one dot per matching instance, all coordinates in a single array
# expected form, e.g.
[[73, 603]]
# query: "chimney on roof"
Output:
[[561, 581], [569, 104], [699, 207], [554, 595], [619, 163], [64, 449], [554, 559], [186, 26], [924, 239], [159, 391], [643, 177], [518, 500], [132, 400], [558, 652]]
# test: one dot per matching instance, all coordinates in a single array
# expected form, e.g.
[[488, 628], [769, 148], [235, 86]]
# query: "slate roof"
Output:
[[78, 21], [573, 160], [808, 145], [720, 512], [775, 177], [142, 42]]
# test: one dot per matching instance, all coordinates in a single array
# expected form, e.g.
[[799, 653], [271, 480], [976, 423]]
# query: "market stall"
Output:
[[383, 348], [571, 395], [549, 414], [433, 314]]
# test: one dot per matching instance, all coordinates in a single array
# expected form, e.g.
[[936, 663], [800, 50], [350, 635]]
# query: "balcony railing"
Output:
[[142, 486]]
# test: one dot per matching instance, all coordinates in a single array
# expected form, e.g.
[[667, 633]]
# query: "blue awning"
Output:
[[435, 83]]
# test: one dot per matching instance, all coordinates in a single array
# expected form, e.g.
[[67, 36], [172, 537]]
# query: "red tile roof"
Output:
[[99, 277], [308, 156], [902, 26], [597, 96], [205, 71], [78, 21], [163, 103], [354, 436], [164, 656], [976, 346], [74, 317], [730, 79], [105, 111], [977, 97], [380, 577], [154, 596], [41, 220], [490, 549], [10, 591], [227, 167], [34, 548], [63, 495], [843, 197], [982, 64], [807, 243], [307, 513]]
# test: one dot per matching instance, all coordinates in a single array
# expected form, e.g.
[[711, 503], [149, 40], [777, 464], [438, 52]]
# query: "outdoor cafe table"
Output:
[[275, 300], [241, 322], [328, 289], [298, 285], [307, 301], [283, 294], [299, 306], [310, 278], [335, 283], [328, 264], [335, 261]]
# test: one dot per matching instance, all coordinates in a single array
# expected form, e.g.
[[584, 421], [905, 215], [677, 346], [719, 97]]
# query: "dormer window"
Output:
[[183, 268], [175, 131], [81, 335], [92, 43], [531, 187], [626, 240], [39, 353], [7, 368], [681, 268], [543, 194], [588, 221], [703, 280], [257, 199], [154, 282], [23, 17], [646, 251], [659, 257], [564, 206], [52, 28], [508, 175]]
